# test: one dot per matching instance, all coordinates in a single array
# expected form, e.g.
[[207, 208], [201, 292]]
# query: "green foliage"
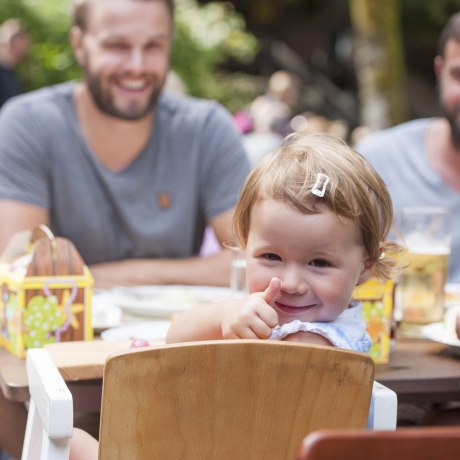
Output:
[[50, 59], [206, 37]]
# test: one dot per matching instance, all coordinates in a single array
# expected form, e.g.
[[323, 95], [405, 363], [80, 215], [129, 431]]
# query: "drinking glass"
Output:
[[238, 272], [426, 234]]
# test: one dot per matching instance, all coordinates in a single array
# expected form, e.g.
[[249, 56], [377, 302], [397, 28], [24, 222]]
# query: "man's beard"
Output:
[[104, 100], [453, 117]]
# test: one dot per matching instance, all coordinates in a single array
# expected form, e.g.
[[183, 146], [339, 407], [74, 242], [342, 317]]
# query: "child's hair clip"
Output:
[[319, 189]]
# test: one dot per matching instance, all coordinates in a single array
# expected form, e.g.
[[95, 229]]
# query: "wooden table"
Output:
[[80, 363], [419, 370], [422, 371]]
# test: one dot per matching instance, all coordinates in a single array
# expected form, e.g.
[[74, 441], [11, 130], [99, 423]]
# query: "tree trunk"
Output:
[[379, 62]]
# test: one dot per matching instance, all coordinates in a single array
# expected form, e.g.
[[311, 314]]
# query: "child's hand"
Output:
[[253, 317], [271, 294]]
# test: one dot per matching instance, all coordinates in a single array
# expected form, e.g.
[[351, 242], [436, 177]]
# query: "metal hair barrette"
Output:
[[319, 189]]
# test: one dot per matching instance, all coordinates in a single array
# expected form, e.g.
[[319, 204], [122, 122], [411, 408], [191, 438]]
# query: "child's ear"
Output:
[[366, 273]]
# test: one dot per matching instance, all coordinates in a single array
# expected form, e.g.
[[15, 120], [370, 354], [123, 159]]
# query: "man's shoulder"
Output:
[[397, 131], [185, 105], [410, 132]]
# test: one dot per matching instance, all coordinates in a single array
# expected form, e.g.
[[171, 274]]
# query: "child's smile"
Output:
[[318, 258], [295, 311]]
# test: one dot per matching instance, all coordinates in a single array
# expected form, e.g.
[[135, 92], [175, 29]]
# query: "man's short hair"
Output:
[[80, 11], [451, 31]]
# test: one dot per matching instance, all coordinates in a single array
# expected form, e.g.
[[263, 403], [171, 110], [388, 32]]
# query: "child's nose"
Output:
[[294, 281]]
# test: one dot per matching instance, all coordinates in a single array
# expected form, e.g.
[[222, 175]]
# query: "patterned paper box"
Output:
[[377, 297], [46, 293]]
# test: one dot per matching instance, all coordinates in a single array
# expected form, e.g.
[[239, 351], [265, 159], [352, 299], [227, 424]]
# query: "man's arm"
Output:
[[213, 270], [16, 216], [222, 227]]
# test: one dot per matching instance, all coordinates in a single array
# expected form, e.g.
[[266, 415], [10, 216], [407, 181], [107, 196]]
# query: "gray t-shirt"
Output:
[[191, 169], [399, 155]]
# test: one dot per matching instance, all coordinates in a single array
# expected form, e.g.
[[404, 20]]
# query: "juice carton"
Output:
[[377, 297]]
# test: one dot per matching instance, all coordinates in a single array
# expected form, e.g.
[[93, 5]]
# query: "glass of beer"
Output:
[[426, 234]]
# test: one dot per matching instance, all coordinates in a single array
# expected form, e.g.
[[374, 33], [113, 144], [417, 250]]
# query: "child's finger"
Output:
[[273, 291]]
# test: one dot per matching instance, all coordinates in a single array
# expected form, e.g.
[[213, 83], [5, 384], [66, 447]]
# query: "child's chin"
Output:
[[284, 319]]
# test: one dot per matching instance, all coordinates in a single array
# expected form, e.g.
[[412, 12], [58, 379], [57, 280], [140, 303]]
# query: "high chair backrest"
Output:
[[418, 443], [242, 399]]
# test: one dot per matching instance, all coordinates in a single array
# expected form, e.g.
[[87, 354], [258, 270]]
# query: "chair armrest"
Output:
[[49, 392], [383, 409]]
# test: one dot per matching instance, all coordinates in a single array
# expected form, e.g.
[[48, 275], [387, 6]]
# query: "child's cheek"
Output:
[[257, 278]]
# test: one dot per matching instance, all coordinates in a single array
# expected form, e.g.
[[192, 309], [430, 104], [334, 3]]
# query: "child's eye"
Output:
[[271, 256], [320, 263]]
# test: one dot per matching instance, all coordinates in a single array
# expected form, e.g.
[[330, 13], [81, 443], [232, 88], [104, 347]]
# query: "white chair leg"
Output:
[[50, 418], [34, 434], [383, 410]]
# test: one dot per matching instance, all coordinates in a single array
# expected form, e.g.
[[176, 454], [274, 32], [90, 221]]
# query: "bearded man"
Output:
[[129, 172], [420, 160]]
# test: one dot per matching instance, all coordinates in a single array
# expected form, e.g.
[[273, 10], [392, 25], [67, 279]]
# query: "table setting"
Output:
[[447, 331], [145, 312]]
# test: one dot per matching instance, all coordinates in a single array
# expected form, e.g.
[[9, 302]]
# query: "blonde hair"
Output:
[[355, 191]]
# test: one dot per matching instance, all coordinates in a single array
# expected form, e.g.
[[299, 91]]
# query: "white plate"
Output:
[[165, 301], [147, 330], [438, 332], [104, 312]]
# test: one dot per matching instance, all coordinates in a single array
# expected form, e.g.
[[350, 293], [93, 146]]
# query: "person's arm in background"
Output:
[[16, 216], [213, 270]]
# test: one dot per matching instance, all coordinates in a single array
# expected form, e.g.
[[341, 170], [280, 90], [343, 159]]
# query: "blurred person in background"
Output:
[[420, 159], [420, 162], [270, 115], [14, 46], [279, 102]]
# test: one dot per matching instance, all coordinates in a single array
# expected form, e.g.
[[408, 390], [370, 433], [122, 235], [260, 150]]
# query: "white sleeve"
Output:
[[348, 332]]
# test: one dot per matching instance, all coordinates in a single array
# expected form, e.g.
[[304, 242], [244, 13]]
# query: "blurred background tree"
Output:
[[379, 62], [207, 36], [50, 59], [315, 39]]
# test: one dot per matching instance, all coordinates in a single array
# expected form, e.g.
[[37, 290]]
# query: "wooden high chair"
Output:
[[418, 443], [228, 399]]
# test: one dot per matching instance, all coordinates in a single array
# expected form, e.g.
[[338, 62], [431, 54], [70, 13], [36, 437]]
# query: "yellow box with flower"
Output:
[[46, 292], [377, 297]]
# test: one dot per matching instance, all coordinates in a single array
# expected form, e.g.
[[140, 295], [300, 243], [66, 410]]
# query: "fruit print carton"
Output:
[[46, 292], [377, 297]]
